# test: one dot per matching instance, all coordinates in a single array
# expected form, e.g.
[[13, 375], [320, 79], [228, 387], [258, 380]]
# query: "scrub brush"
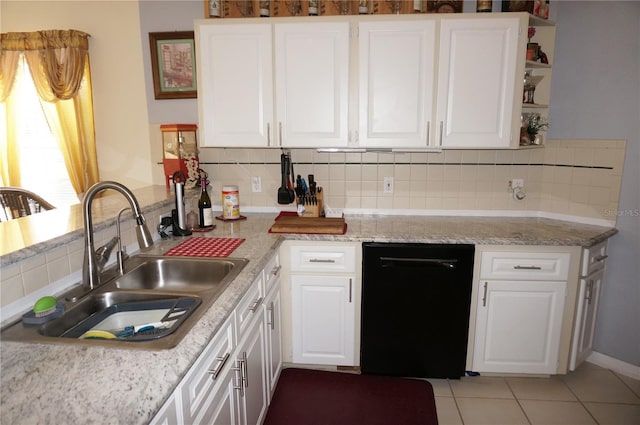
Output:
[[44, 306]]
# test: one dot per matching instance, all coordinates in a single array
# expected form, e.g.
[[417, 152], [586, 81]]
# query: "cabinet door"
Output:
[[476, 82], [323, 319], [235, 85], [170, 413], [252, 360], [222, 406], [518, 326], [397, 72], [273, 322], [586, 313], [312, 77]]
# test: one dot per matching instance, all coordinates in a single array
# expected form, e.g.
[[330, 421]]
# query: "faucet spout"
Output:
[[91, 267]]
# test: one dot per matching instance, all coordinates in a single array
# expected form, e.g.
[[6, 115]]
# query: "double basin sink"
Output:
[[172, 291]]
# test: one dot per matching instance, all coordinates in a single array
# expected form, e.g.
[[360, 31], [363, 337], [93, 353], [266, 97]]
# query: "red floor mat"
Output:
[[205, 247], [313, 397]]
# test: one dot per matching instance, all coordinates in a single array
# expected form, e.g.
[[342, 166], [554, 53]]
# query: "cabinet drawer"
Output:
[[593, 258], [201, 378], [249, 306], [525, 265], [271, 273], [323, 258]]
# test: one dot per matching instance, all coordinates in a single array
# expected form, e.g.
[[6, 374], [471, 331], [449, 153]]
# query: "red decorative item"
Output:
[[180, 151], [205, 247]]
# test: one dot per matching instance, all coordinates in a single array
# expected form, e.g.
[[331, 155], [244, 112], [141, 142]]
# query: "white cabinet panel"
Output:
[[518, 326], [323, 312], [312, 80], [586, 313], [476, 82], [235, 85], [396, 77], [252, 362], [525, 265]]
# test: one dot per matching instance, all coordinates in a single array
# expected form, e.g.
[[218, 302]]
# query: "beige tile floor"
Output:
[[590, 395]]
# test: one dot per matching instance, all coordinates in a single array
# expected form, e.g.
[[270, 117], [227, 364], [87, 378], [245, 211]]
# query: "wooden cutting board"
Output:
[[294, 224]]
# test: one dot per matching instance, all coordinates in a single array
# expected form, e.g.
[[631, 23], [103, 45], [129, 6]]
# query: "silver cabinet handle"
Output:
[[350, 289], [222, 360], [589, 291], [280, 132], [268, 134], [245, 372], [600, 258], [239, 380], [527, 267], [322, 260], [428, 131], [271, 318], [276, 270], [255, 305], [441, 130], [484, 297]]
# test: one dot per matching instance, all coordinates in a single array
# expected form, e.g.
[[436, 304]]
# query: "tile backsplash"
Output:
[[566, 178]]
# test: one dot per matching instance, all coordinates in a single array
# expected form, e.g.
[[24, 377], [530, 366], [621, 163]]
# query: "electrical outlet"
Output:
[[516, 183], [388, 185], [256, 184]]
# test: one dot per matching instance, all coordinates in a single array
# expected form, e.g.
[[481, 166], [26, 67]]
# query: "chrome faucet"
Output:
[[92, 265]]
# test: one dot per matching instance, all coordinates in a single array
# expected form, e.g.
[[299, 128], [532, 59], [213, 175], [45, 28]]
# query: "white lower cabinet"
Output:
[[232, 381], [323, 320], [324, 303], [518, 327], [590, 286], [519, 311], [251, 375]]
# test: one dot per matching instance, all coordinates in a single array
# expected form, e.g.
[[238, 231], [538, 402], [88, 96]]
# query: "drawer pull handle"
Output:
[[527, 267], [239, 370], [255, 305], [271, 319], [222, 360], [484, 296], [268, 134], [322, 260], [589, 291], [600, 258], [350, 289], [280, 132], [276, 270]]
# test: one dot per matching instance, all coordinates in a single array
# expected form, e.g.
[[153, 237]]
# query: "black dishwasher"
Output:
[[415, 309]]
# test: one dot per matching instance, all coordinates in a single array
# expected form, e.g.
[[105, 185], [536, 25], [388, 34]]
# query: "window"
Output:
[[42, 168]]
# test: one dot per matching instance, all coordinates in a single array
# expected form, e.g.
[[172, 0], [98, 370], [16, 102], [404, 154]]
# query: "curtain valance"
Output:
[[56, 59]]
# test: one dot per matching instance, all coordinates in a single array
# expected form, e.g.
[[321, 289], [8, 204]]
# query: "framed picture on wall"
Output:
[[173, 64]]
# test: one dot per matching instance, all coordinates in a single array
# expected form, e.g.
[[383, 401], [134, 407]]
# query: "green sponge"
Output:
[[44, 306]]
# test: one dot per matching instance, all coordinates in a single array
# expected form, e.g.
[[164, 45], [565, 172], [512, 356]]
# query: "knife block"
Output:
[[316, 210]]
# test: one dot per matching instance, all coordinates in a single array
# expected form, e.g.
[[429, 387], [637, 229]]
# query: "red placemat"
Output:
[[205, 247]]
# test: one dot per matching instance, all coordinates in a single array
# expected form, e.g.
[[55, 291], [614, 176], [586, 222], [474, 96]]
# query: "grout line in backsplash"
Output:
[[503, 164]]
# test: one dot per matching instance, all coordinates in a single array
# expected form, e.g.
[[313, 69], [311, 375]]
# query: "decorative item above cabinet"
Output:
[[284, 8]]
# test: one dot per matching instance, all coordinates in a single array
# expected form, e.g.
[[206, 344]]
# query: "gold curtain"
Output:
[[58, 61]]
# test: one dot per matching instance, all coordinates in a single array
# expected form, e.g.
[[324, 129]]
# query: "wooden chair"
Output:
[[16, 202]]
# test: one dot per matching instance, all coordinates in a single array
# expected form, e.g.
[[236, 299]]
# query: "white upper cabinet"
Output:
[[312, 83], [476, 82], [235, 85], [396, 83]]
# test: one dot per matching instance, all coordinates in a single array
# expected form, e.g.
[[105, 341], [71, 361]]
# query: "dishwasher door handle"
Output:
[[399, 261]]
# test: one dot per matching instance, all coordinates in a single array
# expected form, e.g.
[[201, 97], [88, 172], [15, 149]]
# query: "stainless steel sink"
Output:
[[149, 281], [176, 274]]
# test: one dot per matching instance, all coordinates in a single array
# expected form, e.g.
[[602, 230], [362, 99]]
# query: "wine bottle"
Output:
[[205, 212]]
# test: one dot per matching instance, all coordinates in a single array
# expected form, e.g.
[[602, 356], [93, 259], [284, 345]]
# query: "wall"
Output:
[[596, 94], [118, 76]]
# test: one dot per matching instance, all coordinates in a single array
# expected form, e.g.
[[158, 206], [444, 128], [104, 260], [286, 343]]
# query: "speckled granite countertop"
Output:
[[52, 384]]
